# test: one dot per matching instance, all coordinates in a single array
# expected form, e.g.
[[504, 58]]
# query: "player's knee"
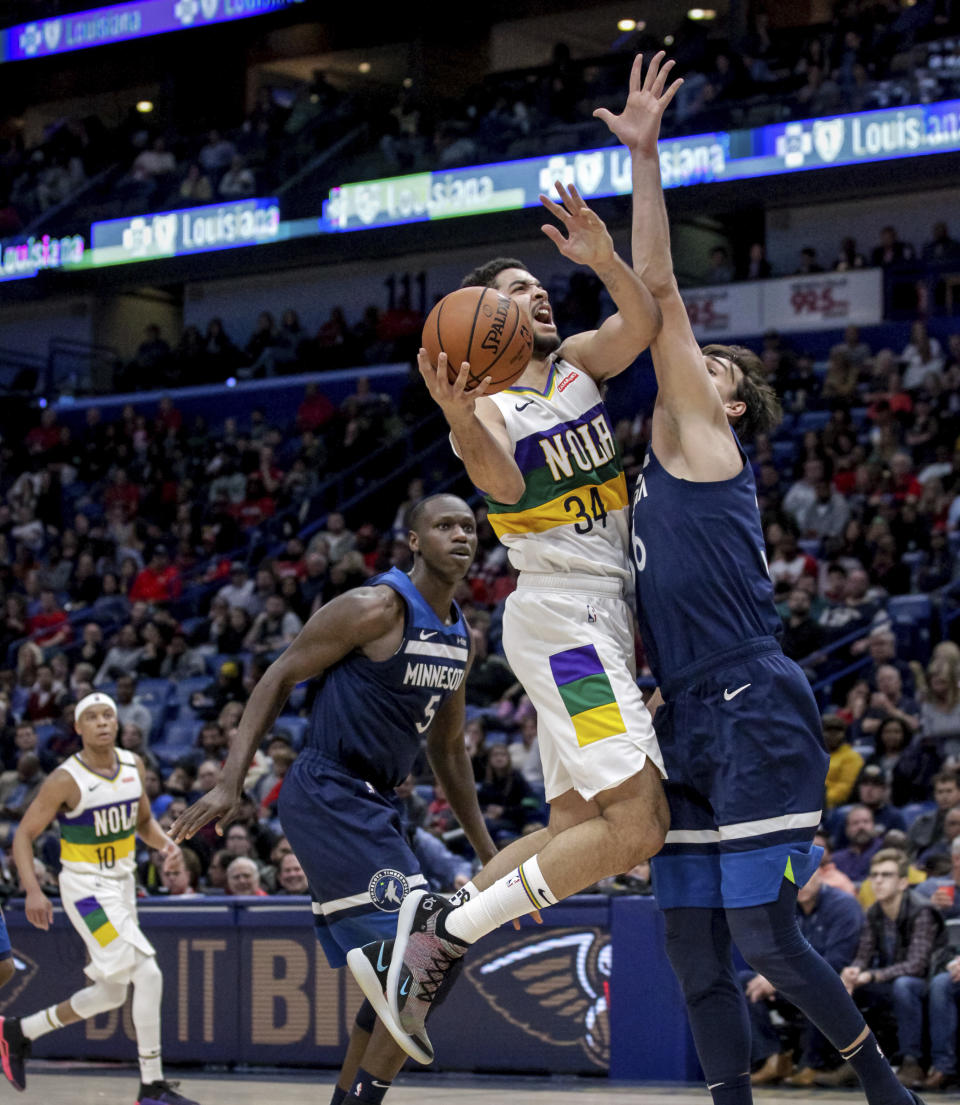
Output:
[[101, 997], [7, 970], [147, 970], [366, 1017]]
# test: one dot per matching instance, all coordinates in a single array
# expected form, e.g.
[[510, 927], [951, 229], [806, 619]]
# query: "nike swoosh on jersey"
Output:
[[727, 695], [94, 787], [523, 406], [425, 636]]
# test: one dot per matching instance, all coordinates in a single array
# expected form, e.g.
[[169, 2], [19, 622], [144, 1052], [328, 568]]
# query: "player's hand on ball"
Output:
[[588, 241], [39, 910], [452, 397], [217, 804], [638, 125]]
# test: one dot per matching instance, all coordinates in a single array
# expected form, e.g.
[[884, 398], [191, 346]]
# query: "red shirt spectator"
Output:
[[46, 696], [168, 417], [315, 411], [49, 626], [46, 435], [159, 582], [122, 492]]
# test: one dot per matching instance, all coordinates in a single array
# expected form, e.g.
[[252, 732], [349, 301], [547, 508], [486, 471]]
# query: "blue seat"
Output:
[[811, 420], [179, 739], [294, 727], [44, 733], [809, 545], [157, 695], [912, 810], [186, 687], [910, 608]]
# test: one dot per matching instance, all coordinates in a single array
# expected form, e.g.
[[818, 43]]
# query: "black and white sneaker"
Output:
[[162, 1093], [14, 1052], [370, 966], [424, 965]]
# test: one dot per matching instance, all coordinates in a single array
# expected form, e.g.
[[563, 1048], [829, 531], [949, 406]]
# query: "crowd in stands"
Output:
[[130, 561], [870, 55]]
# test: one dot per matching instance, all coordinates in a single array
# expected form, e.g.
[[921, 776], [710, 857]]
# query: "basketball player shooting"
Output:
[[543, 453], [739, 726]]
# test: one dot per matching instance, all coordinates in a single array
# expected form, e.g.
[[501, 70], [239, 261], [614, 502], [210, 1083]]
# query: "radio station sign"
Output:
[[191, 230], [121, 22], [818, 302], [719, 157]]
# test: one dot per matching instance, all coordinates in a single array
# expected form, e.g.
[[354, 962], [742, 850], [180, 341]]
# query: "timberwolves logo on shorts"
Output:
[[388, 888]]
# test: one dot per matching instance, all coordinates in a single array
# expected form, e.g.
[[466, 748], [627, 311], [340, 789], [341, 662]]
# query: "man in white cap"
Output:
[[98, 796]]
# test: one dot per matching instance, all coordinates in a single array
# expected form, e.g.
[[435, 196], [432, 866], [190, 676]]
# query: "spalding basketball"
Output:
[[484, 327]]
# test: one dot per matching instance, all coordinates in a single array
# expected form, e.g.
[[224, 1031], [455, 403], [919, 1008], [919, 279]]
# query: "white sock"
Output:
[[39, 1024], [145, 1012], [512, 896], [466, 893]]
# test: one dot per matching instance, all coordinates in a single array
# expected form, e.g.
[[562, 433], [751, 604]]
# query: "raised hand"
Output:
[[638, 125], [588, 241]]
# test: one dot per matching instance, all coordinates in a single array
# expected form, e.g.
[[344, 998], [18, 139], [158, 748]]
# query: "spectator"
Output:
[[180, 874], [940, 708], [849, 257], [873, 791], [902, 938], [922, 356], [17, 790], [827, 515], [928, 827], [159, 581], [216, 154], [789, 563], [757, 267], [845, 763], [863, 844], [856, 352], [217, 872], [46, 696], [941, 246], [941, 891], [238, 181], [830, 920], [290, 876], [239, 591], [195, 186], [804, 491], [129, 711], [829, 873], [720, 270], [942, 1003], [891, 251], [808, 262], [338, 539], [525, 753], [122, 658], [243, 878], [273, 629], [152, 165], [888, 700], [227, 687], [942, 846], [509, 806], [49, 627]]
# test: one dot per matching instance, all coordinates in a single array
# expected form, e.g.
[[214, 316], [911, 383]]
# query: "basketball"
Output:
[[484, 327]]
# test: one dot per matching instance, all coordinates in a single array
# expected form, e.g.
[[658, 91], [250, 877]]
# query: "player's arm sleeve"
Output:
[[453, 769]]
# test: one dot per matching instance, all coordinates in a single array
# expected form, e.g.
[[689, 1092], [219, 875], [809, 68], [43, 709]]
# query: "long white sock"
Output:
[[39, 1024], [465, 894], [512, 896], [145, 1010]]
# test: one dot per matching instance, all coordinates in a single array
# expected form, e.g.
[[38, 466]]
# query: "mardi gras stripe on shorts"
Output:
[[568, 469], [95, 918], [587, 694]]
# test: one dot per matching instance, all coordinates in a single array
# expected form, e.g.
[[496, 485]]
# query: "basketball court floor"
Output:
[[66, 1084]]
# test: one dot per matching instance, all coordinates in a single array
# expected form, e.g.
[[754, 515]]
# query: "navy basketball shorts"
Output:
[[349, 840], [746, 768]]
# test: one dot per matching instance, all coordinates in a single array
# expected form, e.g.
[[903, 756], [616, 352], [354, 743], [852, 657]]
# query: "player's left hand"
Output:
[[588, 241], [638, 125], [218, 803], [170, 850]]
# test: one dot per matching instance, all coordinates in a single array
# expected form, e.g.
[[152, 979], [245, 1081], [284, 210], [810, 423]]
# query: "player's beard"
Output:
[[545, 344]]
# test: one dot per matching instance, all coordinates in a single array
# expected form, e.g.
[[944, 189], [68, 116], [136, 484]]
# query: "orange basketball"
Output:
[[484, 327]]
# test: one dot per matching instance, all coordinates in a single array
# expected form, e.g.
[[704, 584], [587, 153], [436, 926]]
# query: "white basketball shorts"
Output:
[[104, 912]]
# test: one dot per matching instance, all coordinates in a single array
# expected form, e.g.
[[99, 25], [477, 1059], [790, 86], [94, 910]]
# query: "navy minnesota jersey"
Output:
[[370, 715], [703, 586]]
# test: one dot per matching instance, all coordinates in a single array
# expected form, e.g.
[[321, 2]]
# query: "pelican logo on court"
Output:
[[387, 889], [828, 136], [588, 168], [555, 989], [209, 7], [794, 145], [186, 11], [31, 39], [51, 34], [26, 972]]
